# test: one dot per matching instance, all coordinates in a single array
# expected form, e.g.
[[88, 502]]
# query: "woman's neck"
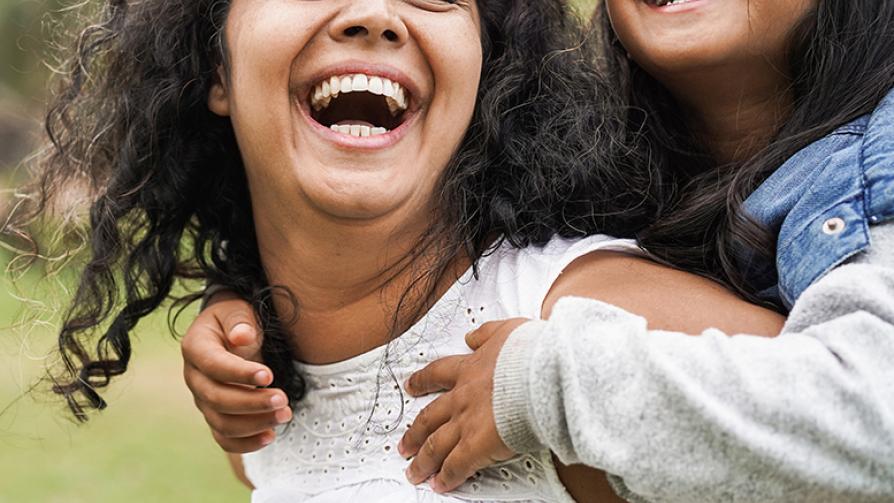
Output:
[[348, 278], [735, 112]]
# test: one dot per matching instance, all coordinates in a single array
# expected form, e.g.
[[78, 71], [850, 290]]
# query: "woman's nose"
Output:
[[369, 21]]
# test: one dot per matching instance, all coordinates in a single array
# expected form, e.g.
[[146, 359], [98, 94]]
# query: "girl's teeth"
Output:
[[357, 130]]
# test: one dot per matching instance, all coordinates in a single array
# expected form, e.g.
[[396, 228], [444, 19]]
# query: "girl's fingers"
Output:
[[203, 348], [232, 399], [426, 423], [432, 454], [243, 334], [477, 338], [458, 466], [236, 317], [227, 426], [439, 375], [244, 445]]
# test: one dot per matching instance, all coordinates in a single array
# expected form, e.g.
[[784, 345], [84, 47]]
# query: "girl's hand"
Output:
[[456, 435], [221, 351]]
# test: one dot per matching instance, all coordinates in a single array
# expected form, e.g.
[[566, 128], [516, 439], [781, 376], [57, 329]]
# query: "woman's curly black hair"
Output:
[[547, 152], [841, 56]]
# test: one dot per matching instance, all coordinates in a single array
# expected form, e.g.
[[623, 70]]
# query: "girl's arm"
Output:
[[239, 469], [805, 416], [669, 300]]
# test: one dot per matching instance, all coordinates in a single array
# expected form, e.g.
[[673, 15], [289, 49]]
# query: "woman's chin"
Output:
[[359, 202]]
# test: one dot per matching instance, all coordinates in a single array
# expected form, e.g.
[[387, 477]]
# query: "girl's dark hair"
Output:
[[546, 153], [842, 65]]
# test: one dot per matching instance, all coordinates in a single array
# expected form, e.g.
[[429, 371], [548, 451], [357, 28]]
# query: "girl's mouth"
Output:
[[359, 104]]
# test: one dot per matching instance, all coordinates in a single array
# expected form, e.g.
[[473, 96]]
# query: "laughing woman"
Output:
[[378, 170]]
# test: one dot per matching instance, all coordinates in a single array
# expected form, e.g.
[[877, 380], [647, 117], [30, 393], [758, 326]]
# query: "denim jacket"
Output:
[[822, 201]]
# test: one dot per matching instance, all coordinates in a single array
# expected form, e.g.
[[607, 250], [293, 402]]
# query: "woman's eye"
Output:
[[439, 2]]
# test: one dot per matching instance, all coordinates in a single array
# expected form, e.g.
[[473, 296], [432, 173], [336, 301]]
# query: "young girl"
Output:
[[773, 120], [788, 109], [358, 158]]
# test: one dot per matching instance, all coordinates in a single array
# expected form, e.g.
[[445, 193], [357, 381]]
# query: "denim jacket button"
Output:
[[833, 226]]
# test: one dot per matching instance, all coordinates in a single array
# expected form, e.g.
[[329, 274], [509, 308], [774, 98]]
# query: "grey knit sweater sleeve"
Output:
[[807, 416]]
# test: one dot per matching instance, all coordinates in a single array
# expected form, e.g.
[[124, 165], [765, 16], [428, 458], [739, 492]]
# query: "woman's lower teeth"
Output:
[[357, 130], [662, 3]]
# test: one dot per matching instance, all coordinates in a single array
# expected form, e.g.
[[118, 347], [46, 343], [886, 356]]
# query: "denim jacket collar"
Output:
[[821, 203]]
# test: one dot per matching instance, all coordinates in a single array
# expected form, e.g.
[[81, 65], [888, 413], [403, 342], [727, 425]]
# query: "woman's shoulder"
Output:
[[520, 277], [549, 258]]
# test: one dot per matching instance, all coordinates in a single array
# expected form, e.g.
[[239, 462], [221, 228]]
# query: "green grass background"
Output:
[[151, 444]]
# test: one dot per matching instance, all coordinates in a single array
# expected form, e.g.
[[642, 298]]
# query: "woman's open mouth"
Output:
[[359, 105], [665, 3]]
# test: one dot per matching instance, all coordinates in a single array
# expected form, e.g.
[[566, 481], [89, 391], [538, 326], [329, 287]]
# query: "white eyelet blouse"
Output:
[[341, 445]]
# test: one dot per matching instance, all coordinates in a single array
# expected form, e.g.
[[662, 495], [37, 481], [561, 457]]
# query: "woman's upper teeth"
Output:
[[329, 89]]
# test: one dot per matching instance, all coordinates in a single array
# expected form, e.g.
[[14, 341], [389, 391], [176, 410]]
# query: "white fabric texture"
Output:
[[342, 442]]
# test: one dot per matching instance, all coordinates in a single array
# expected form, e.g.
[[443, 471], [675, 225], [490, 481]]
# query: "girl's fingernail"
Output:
[[435, 485], [283, 416], [277, 401], [262, 377], [267, 439]]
